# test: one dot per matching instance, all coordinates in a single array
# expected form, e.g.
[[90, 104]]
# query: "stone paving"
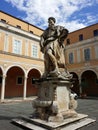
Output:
[[90, 107], [11, 110]]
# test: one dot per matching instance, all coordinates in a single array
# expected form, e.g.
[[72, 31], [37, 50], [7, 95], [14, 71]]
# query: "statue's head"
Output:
[[52, 18]]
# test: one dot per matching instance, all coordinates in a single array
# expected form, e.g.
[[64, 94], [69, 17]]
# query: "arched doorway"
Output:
[[89, 83], [75, 87], [14, 82], [31, 88]]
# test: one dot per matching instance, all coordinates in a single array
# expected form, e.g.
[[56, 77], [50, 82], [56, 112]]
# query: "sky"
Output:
[[72, 14]]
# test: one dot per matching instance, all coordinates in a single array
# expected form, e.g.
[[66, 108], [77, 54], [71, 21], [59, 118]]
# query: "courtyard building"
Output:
[[21, 60], [81, 55]]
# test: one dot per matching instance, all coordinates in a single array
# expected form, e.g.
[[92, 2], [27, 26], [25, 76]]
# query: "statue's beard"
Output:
[[51, 27]]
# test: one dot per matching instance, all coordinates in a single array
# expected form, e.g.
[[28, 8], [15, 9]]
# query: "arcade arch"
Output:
[[17, 82], [14, 85], [31, 88], [89, 83]]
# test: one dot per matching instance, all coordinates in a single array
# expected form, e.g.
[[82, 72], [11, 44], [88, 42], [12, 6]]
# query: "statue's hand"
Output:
[[42, 49], [50, 39]]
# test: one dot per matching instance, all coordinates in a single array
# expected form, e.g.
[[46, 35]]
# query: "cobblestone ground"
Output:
[[90, 107], [12, 110]]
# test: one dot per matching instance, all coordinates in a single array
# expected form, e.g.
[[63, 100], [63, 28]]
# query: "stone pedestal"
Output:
[[54, 100], [54, 108]]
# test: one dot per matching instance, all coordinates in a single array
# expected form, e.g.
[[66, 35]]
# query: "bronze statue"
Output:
[[52, 45]]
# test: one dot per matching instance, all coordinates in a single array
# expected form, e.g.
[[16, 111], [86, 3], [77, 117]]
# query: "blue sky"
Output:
[[72, 14]]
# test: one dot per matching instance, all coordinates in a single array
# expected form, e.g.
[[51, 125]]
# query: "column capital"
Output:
[[25, 77], [4, 75]]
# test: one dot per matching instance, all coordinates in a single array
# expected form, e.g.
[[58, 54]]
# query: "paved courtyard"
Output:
[[12, 110]]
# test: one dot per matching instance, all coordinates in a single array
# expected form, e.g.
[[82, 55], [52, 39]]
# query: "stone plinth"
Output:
[[54, 101], [54, 108], [72, 123]]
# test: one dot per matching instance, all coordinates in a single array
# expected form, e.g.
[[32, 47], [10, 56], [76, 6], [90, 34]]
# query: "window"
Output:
[[31, 31], [68, 42], [95, 32], [34, 51], [17, 46], [19, 80], [87, 54], [80, 37], [4, 21], [32, 80], [0, 79], [18, 26], [71, 58]]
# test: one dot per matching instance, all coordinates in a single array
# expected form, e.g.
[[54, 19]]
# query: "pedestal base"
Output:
[[54, 102], [54, 108], [72, 123]]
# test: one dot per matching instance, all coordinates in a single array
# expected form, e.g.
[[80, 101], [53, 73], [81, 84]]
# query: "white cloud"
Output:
[[38, 11], [91, 18], [96, 1], [74, 25]]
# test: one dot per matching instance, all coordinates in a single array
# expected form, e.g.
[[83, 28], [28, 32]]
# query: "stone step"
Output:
[[79, 124], [68, 124], [28, 125]]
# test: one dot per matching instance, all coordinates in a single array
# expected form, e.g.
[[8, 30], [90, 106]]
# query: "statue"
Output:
[[54, 107], [52, 45], [54, 102]]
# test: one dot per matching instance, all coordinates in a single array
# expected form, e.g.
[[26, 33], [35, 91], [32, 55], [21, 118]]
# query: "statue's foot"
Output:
[[54, 73], [62, 77], [67, 75]]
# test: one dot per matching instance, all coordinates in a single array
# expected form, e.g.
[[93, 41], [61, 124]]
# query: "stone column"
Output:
[[80, 87], [3, 88], [25, 88]]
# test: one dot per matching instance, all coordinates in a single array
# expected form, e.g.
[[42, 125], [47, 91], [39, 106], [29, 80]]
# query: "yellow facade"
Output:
[[84, 57], [13, 21], [20, 52]]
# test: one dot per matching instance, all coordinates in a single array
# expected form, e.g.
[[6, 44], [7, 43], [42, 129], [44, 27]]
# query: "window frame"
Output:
[[3, 20], [18, 26], [87, 57], [17, 79], [95, 32], [71, 58], [68, 41], [18, 49], [34, 53], [81, 37]]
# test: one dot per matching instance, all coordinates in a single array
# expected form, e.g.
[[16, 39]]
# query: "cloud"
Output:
[[38, 11], [91, 18], [96, 1]]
